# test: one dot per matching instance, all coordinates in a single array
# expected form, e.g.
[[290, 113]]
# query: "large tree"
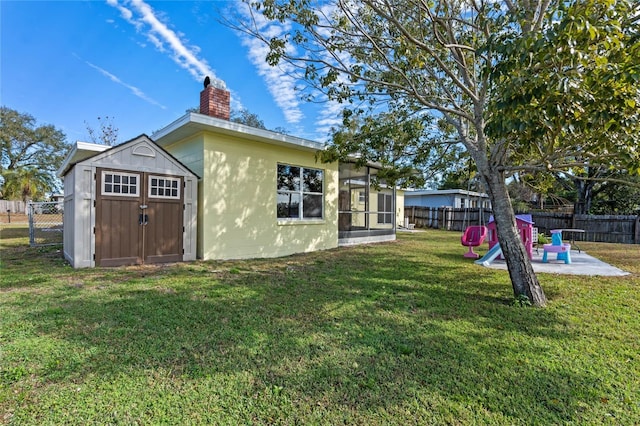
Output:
[[409, 148], [246, 117], [616, 198], [481, 66], [30, 154]]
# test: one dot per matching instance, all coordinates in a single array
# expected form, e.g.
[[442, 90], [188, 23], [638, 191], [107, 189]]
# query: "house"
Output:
[[205, 187], [454, 198], [56, 198], [265, 194], [129, 204]]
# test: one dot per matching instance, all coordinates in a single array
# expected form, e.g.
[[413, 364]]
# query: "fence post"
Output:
[[32, 237], [448, 214], [636, 238]]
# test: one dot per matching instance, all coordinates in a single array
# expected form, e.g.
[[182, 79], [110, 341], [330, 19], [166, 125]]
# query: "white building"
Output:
[[455, 198]]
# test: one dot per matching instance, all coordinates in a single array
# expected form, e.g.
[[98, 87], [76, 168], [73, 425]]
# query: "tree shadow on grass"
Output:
[[332, 331]]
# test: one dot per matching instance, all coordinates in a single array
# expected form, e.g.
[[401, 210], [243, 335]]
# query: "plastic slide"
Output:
[[490, 256]]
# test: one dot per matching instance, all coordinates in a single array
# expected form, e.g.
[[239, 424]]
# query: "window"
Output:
[[385, 208], [120, 184], [300, 192], [164, 187], [362, 197]]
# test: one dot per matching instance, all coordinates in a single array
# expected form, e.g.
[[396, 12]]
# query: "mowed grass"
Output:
[[408, 332]]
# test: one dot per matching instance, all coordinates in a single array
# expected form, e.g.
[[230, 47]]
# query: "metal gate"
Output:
[[45, 223]]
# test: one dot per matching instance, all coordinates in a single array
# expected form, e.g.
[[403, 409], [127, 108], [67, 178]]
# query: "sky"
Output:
[[142, 64]]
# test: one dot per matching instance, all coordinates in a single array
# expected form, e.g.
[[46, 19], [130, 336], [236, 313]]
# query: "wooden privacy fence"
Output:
[[598, 228], [446, 217], [12, 206]]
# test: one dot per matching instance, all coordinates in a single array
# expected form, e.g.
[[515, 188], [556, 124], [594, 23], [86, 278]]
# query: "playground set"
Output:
[[475, 235]]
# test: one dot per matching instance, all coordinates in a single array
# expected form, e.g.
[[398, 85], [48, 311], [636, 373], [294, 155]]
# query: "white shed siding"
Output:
[[68, 226], [190, 217], [84, 217], [78, 217]]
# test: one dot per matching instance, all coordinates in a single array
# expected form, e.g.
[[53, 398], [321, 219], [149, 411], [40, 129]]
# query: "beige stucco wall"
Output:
[[237, 208], [190, 153]]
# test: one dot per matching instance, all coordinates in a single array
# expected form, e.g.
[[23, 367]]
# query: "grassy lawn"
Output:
[[399, 333]]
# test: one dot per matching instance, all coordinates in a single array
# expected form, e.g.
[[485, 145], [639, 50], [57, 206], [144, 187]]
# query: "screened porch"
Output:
[[366, 207]]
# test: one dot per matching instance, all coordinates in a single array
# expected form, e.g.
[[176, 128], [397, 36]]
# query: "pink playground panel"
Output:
[[525, 226]]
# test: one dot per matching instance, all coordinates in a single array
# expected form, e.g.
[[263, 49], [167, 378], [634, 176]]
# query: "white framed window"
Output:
[[164, 187], [120, 184], [300, 192], [362, 197]]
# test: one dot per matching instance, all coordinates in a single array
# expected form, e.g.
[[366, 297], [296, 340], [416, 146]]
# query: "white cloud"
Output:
[[330, 117], [165, 40], [284, 81], [281, 85], [156, 42], [280, 80], [126, 14], [139, 93]]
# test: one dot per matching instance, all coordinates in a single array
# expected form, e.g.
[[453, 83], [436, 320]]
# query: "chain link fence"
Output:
[[45, 223]]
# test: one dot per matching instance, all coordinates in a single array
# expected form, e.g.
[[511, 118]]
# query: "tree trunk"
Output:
[[584, 198], [523, 279]]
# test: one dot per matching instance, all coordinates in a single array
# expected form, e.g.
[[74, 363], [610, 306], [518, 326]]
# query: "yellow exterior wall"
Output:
[[190, 153], [237, 193]]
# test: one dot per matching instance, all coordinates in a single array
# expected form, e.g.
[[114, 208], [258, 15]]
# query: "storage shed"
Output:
[[133, 203]]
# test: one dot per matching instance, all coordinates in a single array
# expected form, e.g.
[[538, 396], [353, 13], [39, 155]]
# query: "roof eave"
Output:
[[75, 155], [192, 123]]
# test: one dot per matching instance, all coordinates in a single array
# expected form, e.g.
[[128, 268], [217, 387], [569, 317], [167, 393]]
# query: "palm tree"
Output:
[[26, 184]]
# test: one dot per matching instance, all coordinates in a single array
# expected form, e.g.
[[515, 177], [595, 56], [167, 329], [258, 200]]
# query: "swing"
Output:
[[473, 236]]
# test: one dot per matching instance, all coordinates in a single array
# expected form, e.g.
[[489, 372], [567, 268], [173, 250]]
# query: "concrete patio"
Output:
[[581, 264]]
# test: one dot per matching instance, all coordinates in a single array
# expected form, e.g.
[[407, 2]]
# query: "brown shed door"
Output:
[[138, 218], [163, 226]]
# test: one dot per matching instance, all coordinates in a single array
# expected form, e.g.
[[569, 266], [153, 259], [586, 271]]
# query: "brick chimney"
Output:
[[215, 102]]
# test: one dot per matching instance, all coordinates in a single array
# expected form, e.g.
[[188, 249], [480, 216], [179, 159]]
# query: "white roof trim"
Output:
[[79, 152], [445, 192], [83, 151], [192, 123]]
